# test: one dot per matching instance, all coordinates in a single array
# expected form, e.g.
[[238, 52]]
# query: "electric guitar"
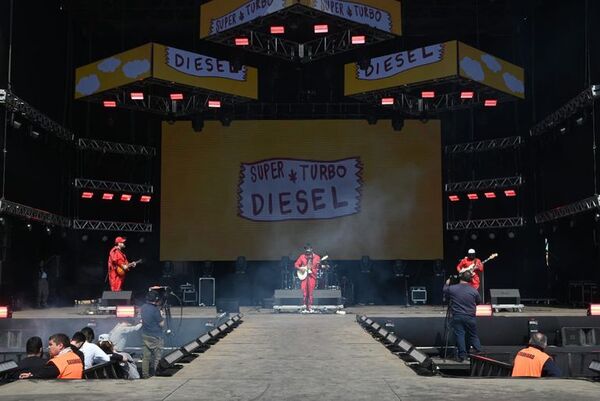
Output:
[[472, 267], [304, 271], [121, 270]]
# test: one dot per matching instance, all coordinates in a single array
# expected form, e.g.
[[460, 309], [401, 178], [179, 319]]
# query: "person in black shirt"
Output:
[[463, 305], [34, 359]]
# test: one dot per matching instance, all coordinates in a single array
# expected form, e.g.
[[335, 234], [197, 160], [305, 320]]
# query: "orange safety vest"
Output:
[[529, 362], [69, 365]]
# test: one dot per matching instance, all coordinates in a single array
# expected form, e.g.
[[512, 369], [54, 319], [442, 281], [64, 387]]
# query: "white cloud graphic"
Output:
[[88, 84], [513, 83], [135, 68], [109, 65], [472, 68], [491, 62]]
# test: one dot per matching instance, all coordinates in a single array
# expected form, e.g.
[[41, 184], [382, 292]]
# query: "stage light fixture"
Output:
[[358, 40], [170, 359], [492, 235], [489, 195], [109, 103], [490, 102], [594, 310], [108, 196], [321, 28], [191, 347], [484, 310], [137, 95], [5, 312], [84, 237], [404, 345], [455, 237], [474, 236], [453, 198], [145, 198], [467, 94], [48, 230], [8, 366], [214, 104], [595, 366], [242, 41], [104, 238], [473, 196], [509, 193], [87, 195], [125, 197], [387, 101], [176, 96], [277, 30], [14, 123], [28, 226], [511, 234], [427, 94], [126, 311]]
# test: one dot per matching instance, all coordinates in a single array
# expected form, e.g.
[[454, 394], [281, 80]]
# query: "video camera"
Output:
[[454, 279]]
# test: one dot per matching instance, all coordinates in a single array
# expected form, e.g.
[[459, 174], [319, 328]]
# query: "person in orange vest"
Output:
[[65, 364], [533, 361]]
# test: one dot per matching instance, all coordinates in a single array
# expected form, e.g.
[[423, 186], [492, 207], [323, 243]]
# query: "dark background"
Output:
[[555, 41]]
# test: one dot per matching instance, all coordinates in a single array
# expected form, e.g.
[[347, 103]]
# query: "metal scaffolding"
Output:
[[97, 185], [503, 222], [492, 183], [115, 147], [28, 212], [483, 146], [581, 101], [581, 206], [20, 107], [99, 225]]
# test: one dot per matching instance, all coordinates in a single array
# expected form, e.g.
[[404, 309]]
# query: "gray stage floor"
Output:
[[301, 357]]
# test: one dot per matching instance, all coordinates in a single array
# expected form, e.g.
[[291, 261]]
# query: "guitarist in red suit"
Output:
[[311, 260], [116, 260], [469, 260]]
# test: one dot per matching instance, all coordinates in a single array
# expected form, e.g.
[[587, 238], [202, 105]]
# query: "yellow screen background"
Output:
[[401, 204]]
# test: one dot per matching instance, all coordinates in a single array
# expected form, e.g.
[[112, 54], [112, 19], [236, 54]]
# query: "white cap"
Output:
[[471, 251], [103, 337]]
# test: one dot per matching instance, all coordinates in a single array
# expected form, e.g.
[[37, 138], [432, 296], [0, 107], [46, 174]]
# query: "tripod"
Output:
[[447, 322]]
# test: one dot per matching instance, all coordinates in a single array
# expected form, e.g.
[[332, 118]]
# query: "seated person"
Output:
[[118, 334], [125, 360], [34, 359], [93, 355], [64, 363], [533, 360]]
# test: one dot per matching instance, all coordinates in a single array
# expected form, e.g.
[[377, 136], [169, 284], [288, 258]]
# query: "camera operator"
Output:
[[463, 304], [152, 336]]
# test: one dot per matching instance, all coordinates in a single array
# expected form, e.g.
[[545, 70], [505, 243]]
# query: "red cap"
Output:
[[119, 240]]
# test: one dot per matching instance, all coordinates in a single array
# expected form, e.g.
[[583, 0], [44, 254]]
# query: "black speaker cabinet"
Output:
[[115, 298]]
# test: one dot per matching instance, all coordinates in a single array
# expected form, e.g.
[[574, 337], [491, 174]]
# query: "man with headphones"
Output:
[[463, 305], [152, 334]]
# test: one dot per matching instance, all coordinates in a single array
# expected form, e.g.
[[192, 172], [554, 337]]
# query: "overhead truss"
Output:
[[483, 146], [581, 206], [492, 183], [99, 225], [97, 185], [581, 101], [504, 222], [20, 107], [30, 213], [115, 147]]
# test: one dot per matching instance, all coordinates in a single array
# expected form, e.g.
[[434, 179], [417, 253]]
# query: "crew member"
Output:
[[117, 265], [471, 260], [533, 361], [152, 336], [463, 304], [64, 363], [42, 286], [308, 261]]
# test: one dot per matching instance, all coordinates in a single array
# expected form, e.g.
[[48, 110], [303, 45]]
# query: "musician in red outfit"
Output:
[[116, 259], [308, 260], [471, 260]]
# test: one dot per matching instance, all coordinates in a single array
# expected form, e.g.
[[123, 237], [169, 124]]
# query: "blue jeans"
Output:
[[465, 331]]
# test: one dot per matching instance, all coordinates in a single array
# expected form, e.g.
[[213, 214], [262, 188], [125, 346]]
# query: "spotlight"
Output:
[[474, 236], [5, 312], [109, 103], [242, 41], [28, 226], [467, 94], [397, 122], [490, 102], [125, 197], [358, 40], [84, 237], [137, 95], [48, 230], [387, 101], [142, 240], [107, 196], [214, 104], [145, 198], [176, 96], [472, 196], [484, 310], [2, 221], [14, 123], [453, 198], [455, 237], [492, 235], [87, 195], [427, 94], [127, 311], [594, 310], [277, 30], [510, 193], [511, 234], [322, 28], [490, 195], [104, 238], [197, 123]]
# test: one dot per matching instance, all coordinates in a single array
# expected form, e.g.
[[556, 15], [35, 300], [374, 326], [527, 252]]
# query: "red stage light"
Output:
[[427, 94], [387, 101], [277, 30], [125, 197], [176, 96], [490, 102], [472, 196], [109, 103], [490, 195], [484, 310], [323, 28], [594, 310], [145, 198], [87, 195], [125, 311], [453, 198], [107, 196], [358, 40], [467, 94], [510, 193], [214, 104], [242, 41], [137, 96], [5, 312]]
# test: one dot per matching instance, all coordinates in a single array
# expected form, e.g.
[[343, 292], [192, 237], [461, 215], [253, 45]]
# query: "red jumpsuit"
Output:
[[466, 262], [116, 258], [308, 285]]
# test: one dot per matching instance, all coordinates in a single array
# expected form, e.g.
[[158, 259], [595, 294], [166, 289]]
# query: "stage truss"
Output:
[[30, 213], [99, 225], [581, 206], [98, 185], [503, 222], [492, 183], [115, 147], [484, 146]]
